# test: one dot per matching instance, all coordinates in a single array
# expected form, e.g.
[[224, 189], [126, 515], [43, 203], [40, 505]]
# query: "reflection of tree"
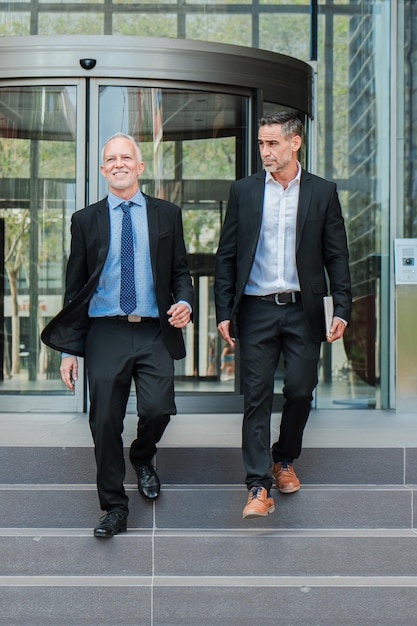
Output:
[[16, 242], [359, 339], [201, 230], [205, 161], [32, 237], [208, 159]]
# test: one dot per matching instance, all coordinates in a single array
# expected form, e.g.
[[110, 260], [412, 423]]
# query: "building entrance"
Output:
[[196, 136]]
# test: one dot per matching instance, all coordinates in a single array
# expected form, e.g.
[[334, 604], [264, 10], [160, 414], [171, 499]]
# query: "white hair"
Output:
[[124, 136]]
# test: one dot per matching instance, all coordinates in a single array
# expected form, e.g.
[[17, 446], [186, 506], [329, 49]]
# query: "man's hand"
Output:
[[224, 328], [336, 330], [180, 315], [69, 371]]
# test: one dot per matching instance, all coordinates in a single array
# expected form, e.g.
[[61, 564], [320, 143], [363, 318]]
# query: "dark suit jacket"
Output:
[[89, 246], [320, 243]]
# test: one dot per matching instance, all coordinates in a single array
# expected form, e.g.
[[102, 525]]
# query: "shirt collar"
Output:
[[114, 201], [295, 180]]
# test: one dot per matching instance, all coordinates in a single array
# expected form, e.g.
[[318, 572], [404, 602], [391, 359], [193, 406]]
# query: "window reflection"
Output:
[[192, 144], [37, 198]]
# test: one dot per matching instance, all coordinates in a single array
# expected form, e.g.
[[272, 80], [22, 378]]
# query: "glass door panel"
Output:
[[194, 145], [38, 190]]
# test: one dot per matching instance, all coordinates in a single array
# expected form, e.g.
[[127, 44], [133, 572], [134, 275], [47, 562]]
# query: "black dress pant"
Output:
[[118, 351], [265, 331]]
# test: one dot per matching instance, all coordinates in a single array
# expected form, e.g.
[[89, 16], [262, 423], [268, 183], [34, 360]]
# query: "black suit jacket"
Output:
[[90, 241], [320, 244]]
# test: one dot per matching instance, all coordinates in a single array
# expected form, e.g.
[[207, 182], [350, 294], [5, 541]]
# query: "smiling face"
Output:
[[121, 167], [278, 152]]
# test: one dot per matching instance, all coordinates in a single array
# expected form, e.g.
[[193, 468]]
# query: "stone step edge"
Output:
[[134, 533], [304, 583], [207, 486]]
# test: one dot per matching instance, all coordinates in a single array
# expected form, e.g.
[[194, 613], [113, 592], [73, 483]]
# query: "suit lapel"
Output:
[[256, 202], [152, 213], [306, 189], [103, 228]]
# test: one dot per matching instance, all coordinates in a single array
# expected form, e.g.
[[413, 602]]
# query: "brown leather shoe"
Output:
[[258, 504], [285, 478]]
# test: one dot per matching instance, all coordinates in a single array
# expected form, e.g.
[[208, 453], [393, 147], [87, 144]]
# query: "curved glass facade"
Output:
[[196, 137], [362, 136]]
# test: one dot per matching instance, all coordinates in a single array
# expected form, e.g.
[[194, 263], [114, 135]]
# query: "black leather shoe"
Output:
[[110, 524], [148, 481]]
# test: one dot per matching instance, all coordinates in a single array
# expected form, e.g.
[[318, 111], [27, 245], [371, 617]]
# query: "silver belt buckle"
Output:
[[134, 318], [276, 298]]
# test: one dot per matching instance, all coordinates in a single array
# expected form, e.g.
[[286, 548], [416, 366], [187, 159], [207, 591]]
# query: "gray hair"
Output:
[[124, 136], [290, 123]]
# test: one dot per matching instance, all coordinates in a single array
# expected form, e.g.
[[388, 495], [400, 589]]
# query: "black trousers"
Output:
[[265, 331], [118, 351]]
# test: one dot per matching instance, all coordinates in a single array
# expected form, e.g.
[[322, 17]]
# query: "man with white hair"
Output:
[[128, 295]]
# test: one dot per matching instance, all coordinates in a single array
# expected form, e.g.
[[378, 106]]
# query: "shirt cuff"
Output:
[[186, 303]]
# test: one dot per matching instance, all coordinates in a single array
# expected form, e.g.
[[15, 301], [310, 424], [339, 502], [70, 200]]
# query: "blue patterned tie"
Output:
[[127, 263]]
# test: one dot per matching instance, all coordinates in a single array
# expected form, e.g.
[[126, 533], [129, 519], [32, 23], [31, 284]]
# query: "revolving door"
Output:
[[193, 108]]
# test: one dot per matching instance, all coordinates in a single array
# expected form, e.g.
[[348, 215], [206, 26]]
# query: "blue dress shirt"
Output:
[[106, 299]]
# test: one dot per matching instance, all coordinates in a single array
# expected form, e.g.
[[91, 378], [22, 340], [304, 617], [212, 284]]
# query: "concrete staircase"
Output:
[[340, 552]]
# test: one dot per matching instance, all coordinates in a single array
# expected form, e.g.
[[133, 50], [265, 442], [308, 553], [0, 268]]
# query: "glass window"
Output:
[[14, 24], [193, 146], [37, 198], [407, 170], [277, 25], [71, 2], [226, 2], [353, 135], [287, 3], [285, 32], [144, 25], [352, 128], [232, 29], [145, 2], [70, 23]]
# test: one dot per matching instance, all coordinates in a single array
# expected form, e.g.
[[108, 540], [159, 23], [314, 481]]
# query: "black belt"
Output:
[[281, 298], [130, 318]]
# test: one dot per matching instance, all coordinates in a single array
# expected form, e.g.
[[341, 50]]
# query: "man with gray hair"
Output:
[[283, 231], [128, 295]]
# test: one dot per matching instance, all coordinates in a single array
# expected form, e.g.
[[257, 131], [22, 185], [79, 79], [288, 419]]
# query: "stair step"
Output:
[[214, 507], [340, 552], [44, 465], [299, 601], [193, 554]]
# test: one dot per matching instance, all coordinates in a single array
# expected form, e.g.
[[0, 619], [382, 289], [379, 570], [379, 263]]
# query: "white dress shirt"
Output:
[[274, 269]]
